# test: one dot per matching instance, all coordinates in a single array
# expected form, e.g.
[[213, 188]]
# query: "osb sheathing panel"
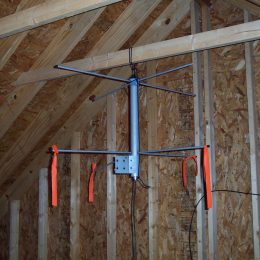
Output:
[[28, 236], [34, 44], [175, 129], [48, 100], [234, 221], [59, 217], [232, 156], [93, 215], [4, 237]]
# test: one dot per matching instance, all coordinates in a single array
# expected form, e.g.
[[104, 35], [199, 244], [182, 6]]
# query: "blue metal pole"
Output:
[[92, 152], [134, 126]]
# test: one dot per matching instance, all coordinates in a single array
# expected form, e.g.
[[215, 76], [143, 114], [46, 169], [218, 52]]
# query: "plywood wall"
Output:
[[4, 237], [232, 156], [28, 241], [175, 128], [93, 215]]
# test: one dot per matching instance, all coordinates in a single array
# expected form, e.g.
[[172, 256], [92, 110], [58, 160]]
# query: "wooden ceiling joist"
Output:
[[175, 12], [47, 12], [123, 28], [249, 6], [58, 49], [183, 45]]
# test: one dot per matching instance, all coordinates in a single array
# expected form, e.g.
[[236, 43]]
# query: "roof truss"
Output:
[[47, 12]]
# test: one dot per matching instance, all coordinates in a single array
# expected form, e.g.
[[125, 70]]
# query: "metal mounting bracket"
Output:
[[126, 164]]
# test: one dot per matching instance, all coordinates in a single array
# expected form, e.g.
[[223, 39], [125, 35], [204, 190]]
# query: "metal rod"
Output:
[[165, 72], [134, 125], [90, 73], [190, 148], [168, 90], [111, 92], [163, 155], [92, 152]]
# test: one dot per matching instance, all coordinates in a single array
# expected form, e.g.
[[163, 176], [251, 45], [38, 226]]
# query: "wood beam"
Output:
[[14, 229], [75, 199], [153, 177], [159, 30], [122, 29], [10, 44], [47, 12], [256, 2], [111, 178], [43, 226], [187, 44], [210, 136], [58, 49], [198, 132], [248, 6], [253, 136]]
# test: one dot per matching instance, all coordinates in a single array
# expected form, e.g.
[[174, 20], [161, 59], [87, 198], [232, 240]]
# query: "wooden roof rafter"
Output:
[[117, 35], [10, 44], [175, 12], [59, 48], [47, 12]]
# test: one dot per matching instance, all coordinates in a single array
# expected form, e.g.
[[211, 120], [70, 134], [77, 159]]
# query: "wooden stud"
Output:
[[198, 129], [153, 178], [75, 199], [47, 12], [254, 151], [111, 179], [43, 226], [14, 229], [176, 11], [186, 44], [210, 136]]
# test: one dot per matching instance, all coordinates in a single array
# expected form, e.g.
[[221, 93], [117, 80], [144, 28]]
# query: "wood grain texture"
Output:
[[58, 49], [253, 139], [187, 44], [84, 112], [46, 118], [248, 6], [198, 131], [43, 226], [47, 12], [14, 229], [210, 136], [111, 178], [9, 45], [75, 198], [153, 174]]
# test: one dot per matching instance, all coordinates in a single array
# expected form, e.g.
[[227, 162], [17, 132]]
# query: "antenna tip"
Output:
[[92, 98]]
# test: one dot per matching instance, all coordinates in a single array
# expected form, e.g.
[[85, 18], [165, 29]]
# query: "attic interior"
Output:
[[103, 215]]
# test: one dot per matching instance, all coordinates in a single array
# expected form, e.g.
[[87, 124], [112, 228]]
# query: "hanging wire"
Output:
[[133, 220], [143, 184], [195, 208], [131, 63]]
